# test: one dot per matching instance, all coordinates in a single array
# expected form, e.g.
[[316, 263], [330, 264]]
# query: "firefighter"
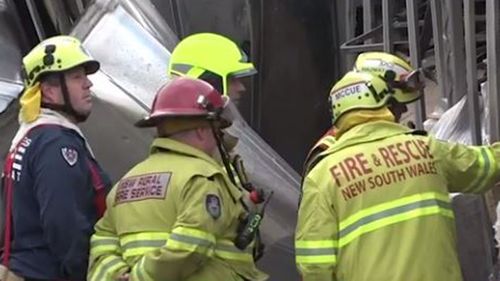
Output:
[[215, 59], [175, 216], [219, 61], [377, 205], [53, 188], [406, 84]]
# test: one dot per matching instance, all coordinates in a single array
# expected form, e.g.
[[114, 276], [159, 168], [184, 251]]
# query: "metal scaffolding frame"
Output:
[[387, 14], [35, 17], [456, 57], [365, 42], [471, 69], [454, 80], [439, 52], [458, 33], [493, 74], [493, 63], [367, 18], [415, 55]]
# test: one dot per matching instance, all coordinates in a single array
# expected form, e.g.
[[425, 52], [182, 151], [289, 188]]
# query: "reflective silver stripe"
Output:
[[138, 244], [315, 252], [139, 271], [484, 167], [191, 240], [487, 167], [144, 243], [141, 247], [105, 268], [391, 212], [104, 242], [100, 246]]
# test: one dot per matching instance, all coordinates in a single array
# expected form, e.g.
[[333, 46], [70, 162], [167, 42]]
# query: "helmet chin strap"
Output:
[[66, 107]]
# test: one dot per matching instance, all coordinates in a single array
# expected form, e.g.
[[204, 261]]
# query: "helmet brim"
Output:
[[91, 66], [245, 70], [154, 119]]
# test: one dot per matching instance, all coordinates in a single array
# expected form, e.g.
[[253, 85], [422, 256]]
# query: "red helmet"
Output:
[[184, 97]]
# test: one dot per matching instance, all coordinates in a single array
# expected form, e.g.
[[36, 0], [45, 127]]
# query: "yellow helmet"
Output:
[[56, 54], [209, 52], [401, 77], [358, 90]]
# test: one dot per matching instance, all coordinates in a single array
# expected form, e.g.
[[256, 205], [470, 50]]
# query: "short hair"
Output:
[[53, 79]]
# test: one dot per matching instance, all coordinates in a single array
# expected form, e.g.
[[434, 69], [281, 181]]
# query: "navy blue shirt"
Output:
[[53, 212]]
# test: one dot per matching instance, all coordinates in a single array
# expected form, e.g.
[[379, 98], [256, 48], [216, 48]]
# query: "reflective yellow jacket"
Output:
[[172, 217], [376, 207]]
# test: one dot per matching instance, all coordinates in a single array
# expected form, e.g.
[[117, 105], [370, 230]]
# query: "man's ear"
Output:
[[49, 93]]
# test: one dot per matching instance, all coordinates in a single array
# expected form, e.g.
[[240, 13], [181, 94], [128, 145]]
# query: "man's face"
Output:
[[79, 90], [78, 86], [235, 89]]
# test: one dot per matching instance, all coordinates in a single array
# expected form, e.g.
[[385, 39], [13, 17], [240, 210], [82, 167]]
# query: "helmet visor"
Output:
[[411, 82]]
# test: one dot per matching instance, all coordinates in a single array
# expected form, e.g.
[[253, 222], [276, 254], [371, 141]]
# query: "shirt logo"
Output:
[[70, 155], [212, 203], [17, 158], [143, 187]]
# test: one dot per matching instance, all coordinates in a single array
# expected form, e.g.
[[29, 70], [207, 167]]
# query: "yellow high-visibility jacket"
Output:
[[172, 217], [377, 207]]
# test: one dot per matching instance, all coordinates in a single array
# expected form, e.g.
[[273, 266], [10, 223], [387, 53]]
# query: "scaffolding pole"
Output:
[[493, 74], [437, 34], [456, 43], [367, 18], [415, 56], [471, 66], [493, 56], [387, 14]]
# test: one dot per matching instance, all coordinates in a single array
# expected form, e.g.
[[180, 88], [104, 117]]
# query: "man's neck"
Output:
[[189, 139], [65, 115], [70, 118]]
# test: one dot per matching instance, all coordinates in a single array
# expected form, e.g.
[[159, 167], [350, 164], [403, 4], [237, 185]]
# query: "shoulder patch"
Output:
[[70, 155], [142, 187], [213, 206]]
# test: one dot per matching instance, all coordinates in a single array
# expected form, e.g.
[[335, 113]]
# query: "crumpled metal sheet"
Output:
[[130, 56], [9, 91]]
